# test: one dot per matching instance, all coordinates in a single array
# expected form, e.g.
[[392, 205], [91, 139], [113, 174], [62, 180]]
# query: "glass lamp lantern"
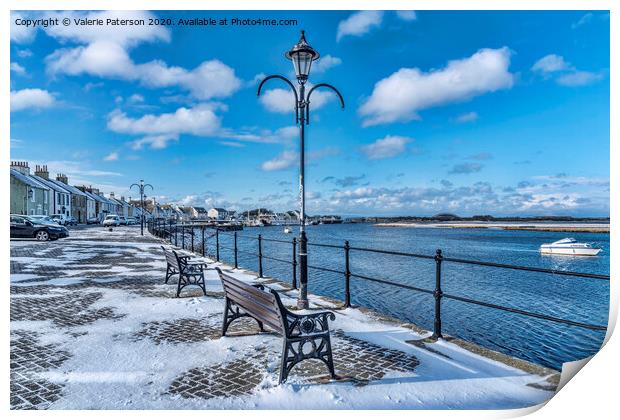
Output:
[[302, 55]]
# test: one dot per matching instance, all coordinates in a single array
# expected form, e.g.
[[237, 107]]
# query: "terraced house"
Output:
[[82, 206], [60, 197], [28, 196]]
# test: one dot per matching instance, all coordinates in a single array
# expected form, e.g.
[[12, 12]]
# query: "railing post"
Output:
[[260, 255], [217, 244], [176, 233], [192, 233], [183, 235], [347, 276], [203, 240], [437, 294], [294, 263], [236, 265]]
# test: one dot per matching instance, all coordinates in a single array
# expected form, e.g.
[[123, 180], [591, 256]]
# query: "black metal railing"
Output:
[[170, 231]]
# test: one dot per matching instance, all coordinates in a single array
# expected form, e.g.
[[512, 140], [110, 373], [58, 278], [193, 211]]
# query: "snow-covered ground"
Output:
[[94, 327]]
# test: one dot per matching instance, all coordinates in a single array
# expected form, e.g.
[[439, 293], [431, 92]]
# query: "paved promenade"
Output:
[[93, 326]]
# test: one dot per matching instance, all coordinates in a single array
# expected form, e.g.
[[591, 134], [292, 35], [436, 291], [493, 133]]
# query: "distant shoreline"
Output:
[[540, 227]]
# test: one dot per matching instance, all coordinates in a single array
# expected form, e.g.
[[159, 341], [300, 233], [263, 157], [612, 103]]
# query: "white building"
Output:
[[60, 198], [218, 213]]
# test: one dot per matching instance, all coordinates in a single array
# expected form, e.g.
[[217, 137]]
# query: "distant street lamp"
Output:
[[302, 55], [141, 186]]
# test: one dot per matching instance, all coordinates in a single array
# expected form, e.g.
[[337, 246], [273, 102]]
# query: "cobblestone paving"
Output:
[[72, 306], [28, 360]]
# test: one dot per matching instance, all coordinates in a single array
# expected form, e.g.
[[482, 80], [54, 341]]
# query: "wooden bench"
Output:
[[190, 273], [306, 336]]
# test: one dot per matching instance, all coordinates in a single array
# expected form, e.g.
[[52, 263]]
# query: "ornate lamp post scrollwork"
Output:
[[302, 55], [141, 186]]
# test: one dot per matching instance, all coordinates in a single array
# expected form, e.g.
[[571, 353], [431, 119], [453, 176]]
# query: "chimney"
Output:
[[62, 178], [112, 194], [21, 166], [42, 171]]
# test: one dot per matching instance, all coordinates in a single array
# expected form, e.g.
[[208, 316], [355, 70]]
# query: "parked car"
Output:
[[72, 221], [123, 220], [41, 218], [24, 227], [93, 221], [61, 219], [132, 221], [112, 220]]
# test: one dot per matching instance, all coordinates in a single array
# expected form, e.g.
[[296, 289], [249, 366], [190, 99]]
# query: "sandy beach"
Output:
[[534, 226]]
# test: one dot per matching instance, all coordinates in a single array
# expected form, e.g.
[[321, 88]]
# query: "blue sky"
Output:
[[503, 113]]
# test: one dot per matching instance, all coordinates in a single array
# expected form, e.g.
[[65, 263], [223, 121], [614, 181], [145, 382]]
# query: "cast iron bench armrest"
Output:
[[311, 323], [299, 331]]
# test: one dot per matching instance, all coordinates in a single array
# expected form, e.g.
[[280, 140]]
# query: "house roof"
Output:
[[93, 196], [200, 209], [28, 180], [67, 187], [115, 201], [219, 209], [50, 184]]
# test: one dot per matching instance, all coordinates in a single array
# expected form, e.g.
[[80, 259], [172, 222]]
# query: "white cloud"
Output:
[[111, 157], [587, 18], [325, 63], [129, 35], [467, 117], [288, 159], [359, 23], [407, 15], [200, 120], [21, 34], [232, 144], [17, 68], [551, 63], [159, 130], [31, 99], [578, 78], [136, 98], [283, 100], [155, 142], [282, 135], [25, 53], [386, 147], [284, 160], [104, 53], [399, 96], [278, 100], [107, 59], [568, 74]]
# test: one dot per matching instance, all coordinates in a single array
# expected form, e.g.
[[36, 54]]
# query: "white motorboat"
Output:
[[287, 229], [569, 246]]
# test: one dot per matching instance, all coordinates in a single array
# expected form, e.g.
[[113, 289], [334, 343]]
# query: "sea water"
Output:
[[536, 340]]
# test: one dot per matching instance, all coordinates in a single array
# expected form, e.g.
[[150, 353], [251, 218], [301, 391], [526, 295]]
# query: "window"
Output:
[[33, 195], [58, 198], [45, 197]]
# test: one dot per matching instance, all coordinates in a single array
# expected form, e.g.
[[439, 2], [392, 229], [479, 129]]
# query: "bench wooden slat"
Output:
[[260, 312], [254, 292], [244, 299]]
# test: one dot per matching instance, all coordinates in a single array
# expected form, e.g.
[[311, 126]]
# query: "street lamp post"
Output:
[[302, 55], [141, 187]]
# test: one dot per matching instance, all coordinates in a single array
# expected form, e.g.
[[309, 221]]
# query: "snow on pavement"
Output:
[[93, 326]]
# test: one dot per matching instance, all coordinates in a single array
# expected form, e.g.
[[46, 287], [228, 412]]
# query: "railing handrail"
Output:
[[438, 258]]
